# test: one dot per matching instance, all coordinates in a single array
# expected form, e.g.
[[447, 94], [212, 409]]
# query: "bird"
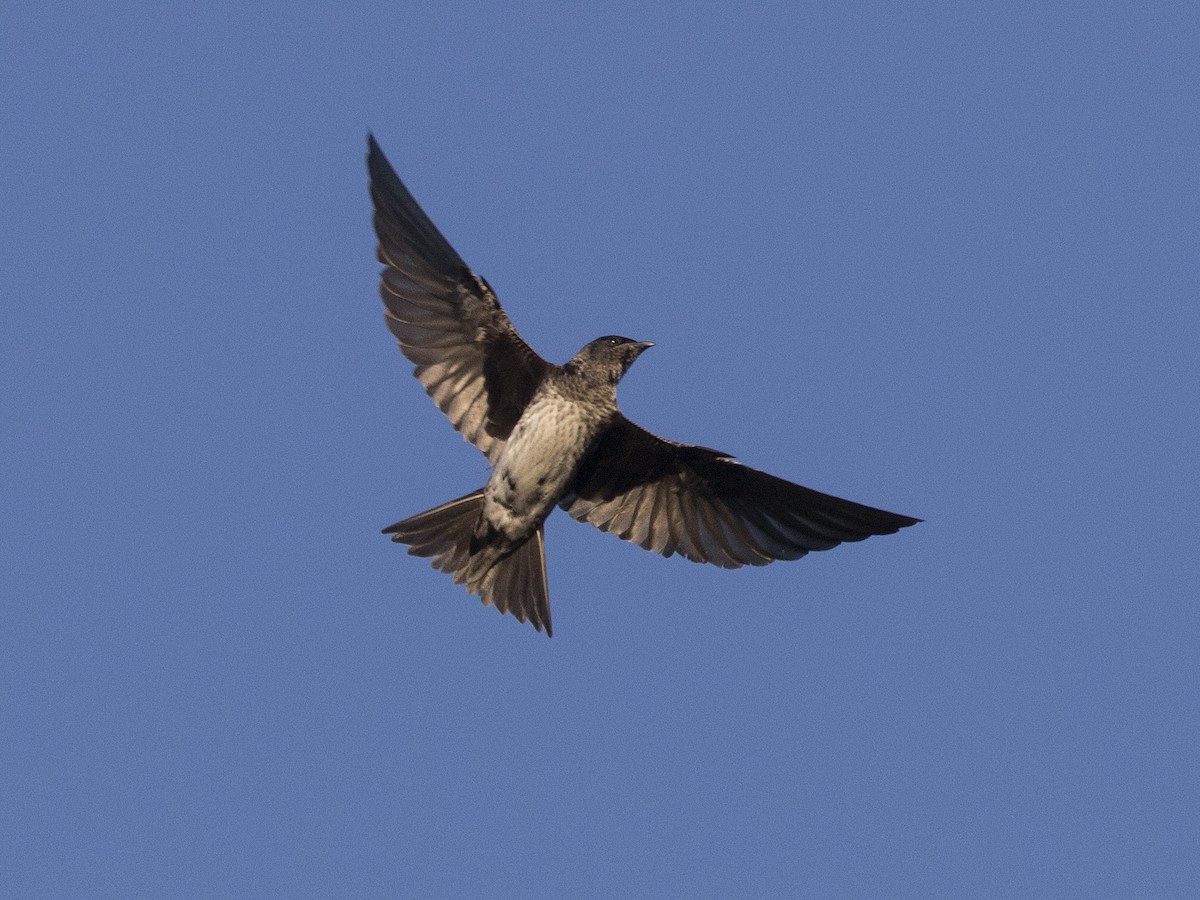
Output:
[[554, 436]]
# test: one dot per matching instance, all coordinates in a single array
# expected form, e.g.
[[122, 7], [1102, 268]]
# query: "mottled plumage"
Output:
[[555, 436]]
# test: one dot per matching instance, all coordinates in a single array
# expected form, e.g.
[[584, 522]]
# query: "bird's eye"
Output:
[[612, 342]]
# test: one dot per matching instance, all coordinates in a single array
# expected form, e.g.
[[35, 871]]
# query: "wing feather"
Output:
[[702, 504], [447, 320]]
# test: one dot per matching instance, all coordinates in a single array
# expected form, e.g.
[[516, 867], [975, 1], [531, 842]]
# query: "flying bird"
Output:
[[554, 436]]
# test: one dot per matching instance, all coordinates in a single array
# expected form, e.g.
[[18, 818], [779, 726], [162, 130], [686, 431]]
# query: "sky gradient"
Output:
[[940, 259]]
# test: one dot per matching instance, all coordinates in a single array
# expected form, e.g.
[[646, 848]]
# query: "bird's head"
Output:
[[608, 358]]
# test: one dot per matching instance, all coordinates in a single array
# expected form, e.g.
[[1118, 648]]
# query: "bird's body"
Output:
[[541, 457], [555, 436]]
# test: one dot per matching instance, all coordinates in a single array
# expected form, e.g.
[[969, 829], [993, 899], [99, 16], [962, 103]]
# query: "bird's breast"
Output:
[[538, 462]]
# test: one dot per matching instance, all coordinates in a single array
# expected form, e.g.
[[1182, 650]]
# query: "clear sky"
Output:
[[940, 258]]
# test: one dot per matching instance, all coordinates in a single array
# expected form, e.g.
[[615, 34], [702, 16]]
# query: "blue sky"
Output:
[[939, 258]]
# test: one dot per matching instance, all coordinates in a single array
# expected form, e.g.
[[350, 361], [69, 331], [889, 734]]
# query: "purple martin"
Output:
[[555, 437]]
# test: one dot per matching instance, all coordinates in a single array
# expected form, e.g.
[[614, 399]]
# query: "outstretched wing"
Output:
[[447, 320], [676, 498]]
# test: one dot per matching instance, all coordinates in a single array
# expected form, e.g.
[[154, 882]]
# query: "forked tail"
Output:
[[513, 579]]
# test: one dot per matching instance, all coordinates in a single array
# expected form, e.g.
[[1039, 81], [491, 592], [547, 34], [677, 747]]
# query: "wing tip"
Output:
[[373, 148]]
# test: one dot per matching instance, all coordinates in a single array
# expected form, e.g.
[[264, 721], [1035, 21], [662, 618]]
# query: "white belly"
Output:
[[537, 464]]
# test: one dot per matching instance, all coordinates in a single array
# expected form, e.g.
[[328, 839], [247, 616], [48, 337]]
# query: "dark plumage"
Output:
[[555, 436]]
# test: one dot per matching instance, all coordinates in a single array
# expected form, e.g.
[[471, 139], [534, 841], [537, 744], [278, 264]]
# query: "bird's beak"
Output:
[[643, 346]]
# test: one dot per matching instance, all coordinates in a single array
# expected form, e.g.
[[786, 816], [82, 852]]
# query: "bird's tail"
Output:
[[513, 579]]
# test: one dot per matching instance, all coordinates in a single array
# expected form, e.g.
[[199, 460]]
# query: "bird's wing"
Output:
[[700, 503], [447, 319]]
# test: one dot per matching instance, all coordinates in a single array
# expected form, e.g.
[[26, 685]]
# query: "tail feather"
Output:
[[513, 579], [443, 532], [517, 584]]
